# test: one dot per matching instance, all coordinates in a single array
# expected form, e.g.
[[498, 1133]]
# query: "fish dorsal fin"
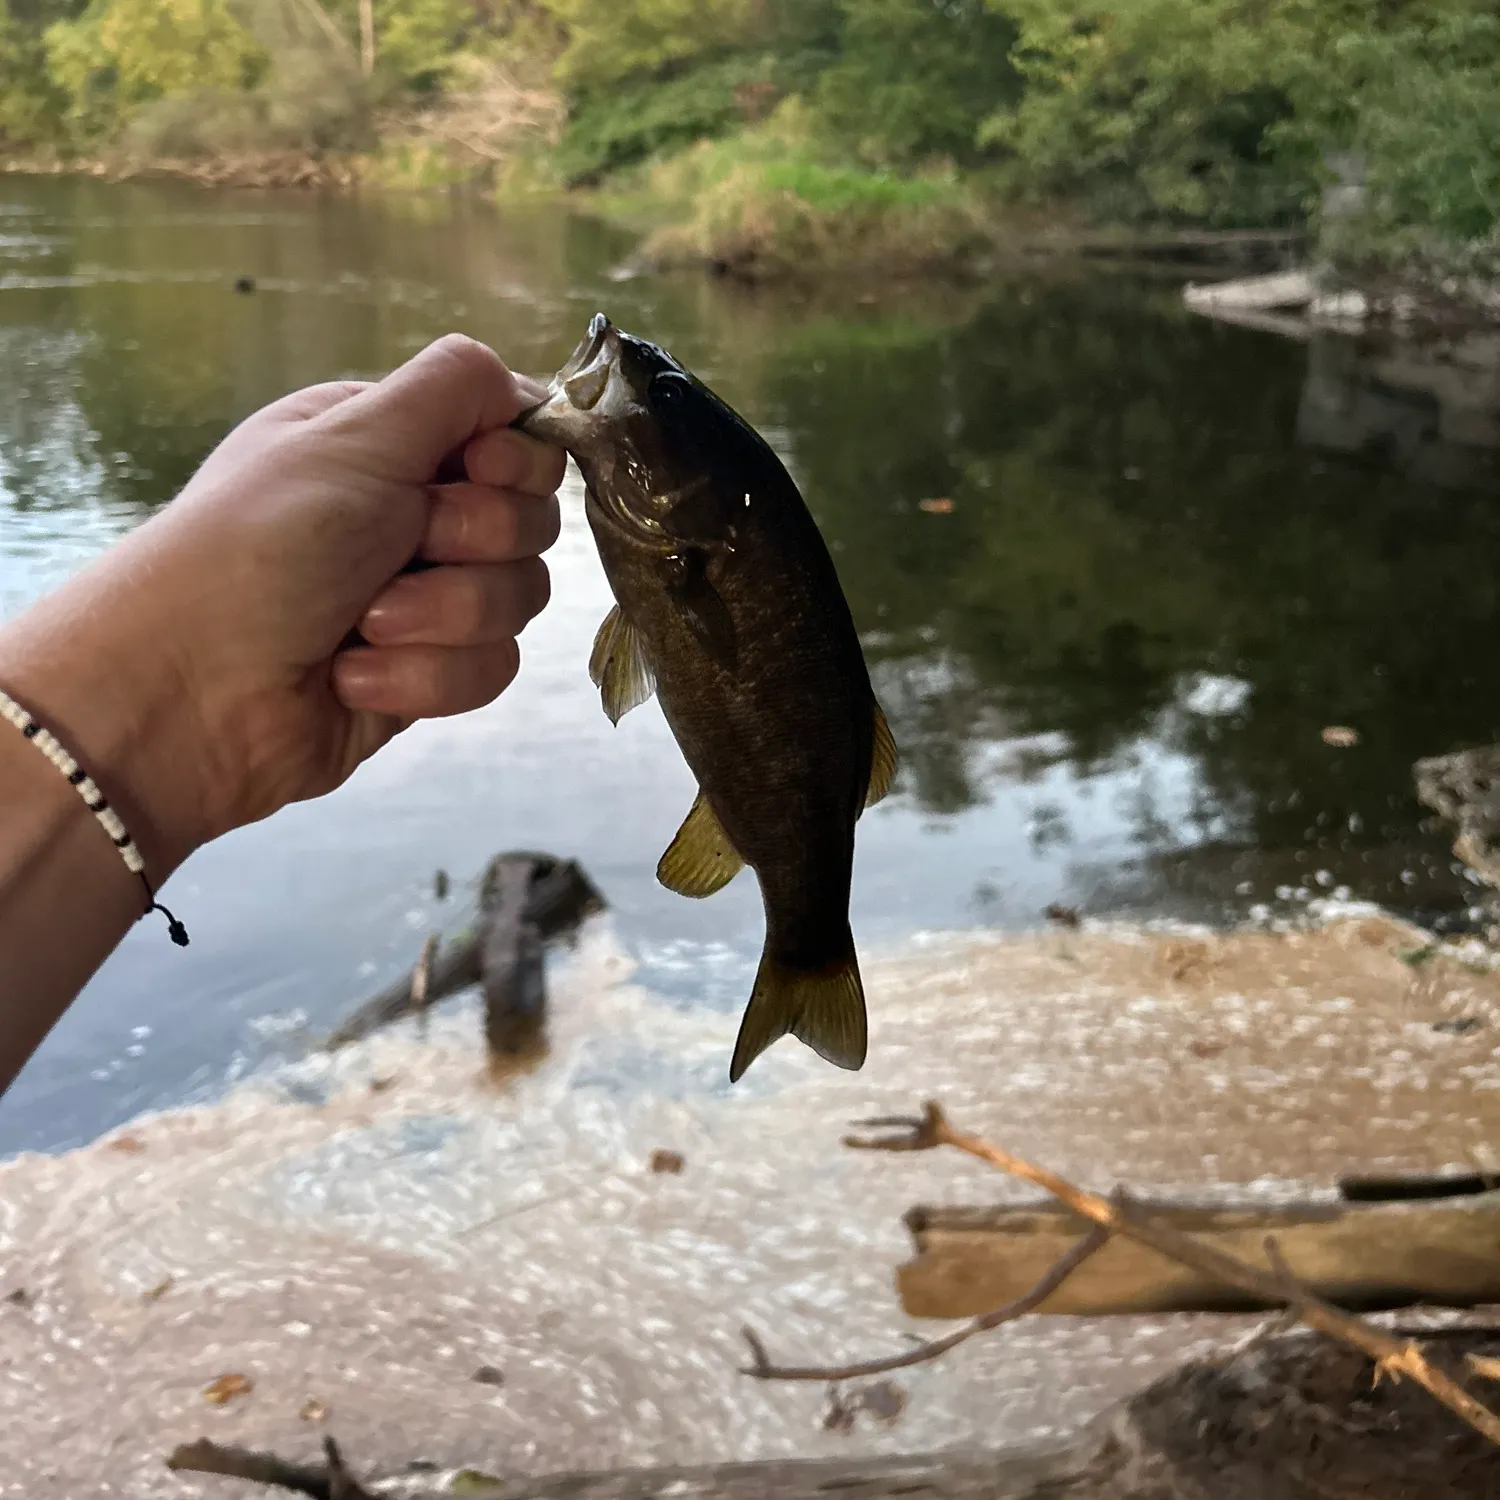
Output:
[[883, 759], [619, 668], [700, 860]]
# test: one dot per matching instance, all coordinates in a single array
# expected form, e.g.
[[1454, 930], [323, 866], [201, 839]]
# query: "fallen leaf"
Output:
[[1202, 1048], [1416, 957], [313, 1410], [1340, 736], [941, 505], [224, 1390], [667, 1161], [488, 1375], [473, 1481], [1065, 916], [1485, 1365], [130, 1145], [157, 1292], [868, 299]]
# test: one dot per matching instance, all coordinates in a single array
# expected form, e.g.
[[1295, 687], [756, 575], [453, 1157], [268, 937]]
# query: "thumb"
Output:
[[430, 407]]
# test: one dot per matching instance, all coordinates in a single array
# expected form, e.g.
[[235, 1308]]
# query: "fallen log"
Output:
[[526, 901], [1286, 1417], [1360, 1255]]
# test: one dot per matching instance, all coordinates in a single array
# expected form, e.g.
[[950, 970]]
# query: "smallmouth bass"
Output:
[[728, 607]]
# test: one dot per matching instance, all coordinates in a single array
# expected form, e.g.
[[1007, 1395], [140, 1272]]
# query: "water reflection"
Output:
[[1168, 561]]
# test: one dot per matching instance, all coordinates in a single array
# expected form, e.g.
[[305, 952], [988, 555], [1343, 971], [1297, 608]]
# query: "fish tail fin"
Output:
[[823, 1007]]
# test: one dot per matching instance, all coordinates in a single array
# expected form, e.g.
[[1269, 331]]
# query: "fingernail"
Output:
[[358, 676], [393, 619]]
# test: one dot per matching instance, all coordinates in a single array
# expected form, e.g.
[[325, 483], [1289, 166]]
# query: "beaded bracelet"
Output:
[[95, 801]]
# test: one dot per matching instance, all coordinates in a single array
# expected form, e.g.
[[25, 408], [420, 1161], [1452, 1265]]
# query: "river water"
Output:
[[1171, 553]]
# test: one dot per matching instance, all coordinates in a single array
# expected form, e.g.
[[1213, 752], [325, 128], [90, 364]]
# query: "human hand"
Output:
[[205, 669]]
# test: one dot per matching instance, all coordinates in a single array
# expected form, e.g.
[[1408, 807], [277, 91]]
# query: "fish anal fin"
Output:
[[824, 1008], [700, 859], [883, 760], [619, 667]]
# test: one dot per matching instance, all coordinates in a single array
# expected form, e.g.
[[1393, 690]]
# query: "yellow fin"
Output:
[[700, 860], [619, 668], [882, 760], [825, 1008]]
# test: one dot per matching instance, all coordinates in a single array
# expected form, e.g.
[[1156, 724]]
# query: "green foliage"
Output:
[[1216, 112], [617, 127], [1155, 108], [609, 41], [32, 106], [1427, 118], [764, 204], [419, 40], [914, 77]]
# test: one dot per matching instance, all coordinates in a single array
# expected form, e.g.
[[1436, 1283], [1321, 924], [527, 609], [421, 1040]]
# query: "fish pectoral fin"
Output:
[[700, 860], [825, 1008], [703, 608], [883, 760], [619, 668]]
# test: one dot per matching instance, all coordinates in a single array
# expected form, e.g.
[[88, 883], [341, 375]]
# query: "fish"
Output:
[[728, 607]]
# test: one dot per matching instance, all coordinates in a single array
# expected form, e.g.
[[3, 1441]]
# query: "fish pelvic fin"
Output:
[[824, 1008], [883, 760], [700, 860], [619, 667]]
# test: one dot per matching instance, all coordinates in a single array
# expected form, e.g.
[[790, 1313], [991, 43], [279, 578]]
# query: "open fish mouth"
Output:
[[585, 376]]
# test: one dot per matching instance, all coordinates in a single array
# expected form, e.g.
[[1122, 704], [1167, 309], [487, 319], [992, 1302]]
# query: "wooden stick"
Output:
[[763, 1369], [330, 1480], [1392, 1356]]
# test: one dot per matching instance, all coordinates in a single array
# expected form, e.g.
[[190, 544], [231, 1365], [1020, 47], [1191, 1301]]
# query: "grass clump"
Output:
[[764, 204]]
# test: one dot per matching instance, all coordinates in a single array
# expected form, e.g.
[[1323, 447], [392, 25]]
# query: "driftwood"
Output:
[[1118, 1215], [526, 901], [1364, 1255], [1291, 1417], [1464, 788]]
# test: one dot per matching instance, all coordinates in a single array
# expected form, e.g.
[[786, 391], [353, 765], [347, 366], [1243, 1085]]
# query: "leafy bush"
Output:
[[913, 78], [32, 106], [615, 128], [121, 53], [1426, 117]]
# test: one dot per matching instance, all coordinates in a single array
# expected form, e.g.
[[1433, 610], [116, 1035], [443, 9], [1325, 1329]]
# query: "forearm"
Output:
[[66, 894], [66, 899]]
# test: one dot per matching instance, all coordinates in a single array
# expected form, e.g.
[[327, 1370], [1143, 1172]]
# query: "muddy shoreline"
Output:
[[360, 1235]]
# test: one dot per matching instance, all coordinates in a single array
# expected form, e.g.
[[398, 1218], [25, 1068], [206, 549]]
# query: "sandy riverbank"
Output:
[[367, 1233]]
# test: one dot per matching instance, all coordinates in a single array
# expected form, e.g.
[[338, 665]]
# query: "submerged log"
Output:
[[1359, 1255], [1293, 1417], [526, 901]]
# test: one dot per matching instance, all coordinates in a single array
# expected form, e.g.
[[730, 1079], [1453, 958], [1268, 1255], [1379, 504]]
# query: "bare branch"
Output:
[[207, 1457], [330, 1480], [1392, 1356], [763, 1369]]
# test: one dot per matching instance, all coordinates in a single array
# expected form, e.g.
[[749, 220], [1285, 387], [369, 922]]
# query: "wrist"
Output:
[[81, 663]]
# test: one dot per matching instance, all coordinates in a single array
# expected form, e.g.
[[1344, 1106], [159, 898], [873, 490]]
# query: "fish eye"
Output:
[[668, 390]]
